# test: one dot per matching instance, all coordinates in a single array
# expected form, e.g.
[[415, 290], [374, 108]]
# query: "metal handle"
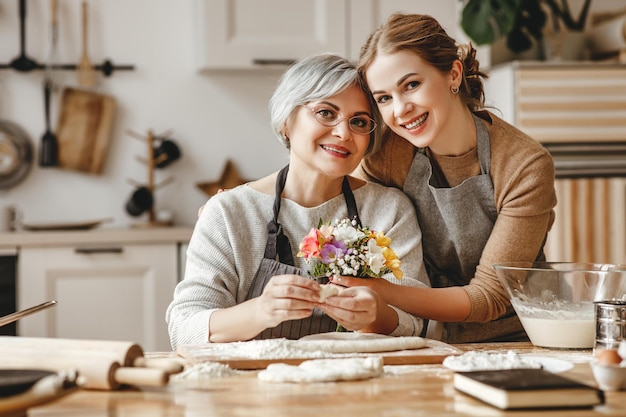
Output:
[[90, 251], [10, 318]]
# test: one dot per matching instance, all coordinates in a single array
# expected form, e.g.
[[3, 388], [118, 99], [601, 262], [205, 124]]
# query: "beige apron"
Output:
[[456, 224], [278, 259]]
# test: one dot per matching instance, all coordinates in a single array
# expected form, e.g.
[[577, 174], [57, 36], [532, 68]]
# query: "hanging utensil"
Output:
[[23, 62], [85, 70], [50, 74], [49, 151], [15, 154]]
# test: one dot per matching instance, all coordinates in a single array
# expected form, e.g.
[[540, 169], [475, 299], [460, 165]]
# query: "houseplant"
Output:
[[522, 23]]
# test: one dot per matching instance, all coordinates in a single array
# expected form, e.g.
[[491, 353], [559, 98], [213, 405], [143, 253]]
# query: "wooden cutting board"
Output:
[[84, 129], [433, 353]]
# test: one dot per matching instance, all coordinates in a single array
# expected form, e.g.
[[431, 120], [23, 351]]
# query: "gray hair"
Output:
[[316, 78]]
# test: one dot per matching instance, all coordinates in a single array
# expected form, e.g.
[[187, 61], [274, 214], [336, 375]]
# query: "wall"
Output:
[[213, 117]]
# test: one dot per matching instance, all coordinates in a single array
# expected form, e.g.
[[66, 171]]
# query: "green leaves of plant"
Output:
[[484, 21]]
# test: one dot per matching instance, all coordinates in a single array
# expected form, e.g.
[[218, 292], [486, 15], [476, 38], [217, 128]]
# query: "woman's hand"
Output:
[[361, 309], [287, 297], [381, 286]]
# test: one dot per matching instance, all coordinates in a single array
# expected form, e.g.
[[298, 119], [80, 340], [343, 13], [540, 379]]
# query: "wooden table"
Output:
[[403, 391]]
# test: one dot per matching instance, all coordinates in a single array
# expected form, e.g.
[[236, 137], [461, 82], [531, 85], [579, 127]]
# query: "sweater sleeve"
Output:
[[214, 277], [523, 177], [390, 164]]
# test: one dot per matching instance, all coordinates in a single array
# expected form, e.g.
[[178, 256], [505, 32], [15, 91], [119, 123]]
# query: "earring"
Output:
[[454, 90]]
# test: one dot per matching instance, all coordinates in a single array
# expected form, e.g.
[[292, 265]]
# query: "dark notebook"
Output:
[[527, 388]]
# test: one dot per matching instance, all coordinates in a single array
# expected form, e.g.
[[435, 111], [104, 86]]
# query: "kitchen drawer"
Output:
[[112, 292]]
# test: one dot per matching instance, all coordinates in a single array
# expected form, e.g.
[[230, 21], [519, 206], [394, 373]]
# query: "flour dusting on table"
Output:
[[205, 370], [484, 361]]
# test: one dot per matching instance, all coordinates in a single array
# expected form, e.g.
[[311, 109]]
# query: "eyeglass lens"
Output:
[[361, 124]]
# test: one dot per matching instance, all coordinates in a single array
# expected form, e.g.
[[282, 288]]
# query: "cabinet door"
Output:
[[118, 293], [367, 15], [256, 33]]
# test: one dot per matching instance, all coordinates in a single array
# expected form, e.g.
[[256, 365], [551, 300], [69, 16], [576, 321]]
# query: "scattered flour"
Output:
[[263, 349], [205, 370], [479, 361]]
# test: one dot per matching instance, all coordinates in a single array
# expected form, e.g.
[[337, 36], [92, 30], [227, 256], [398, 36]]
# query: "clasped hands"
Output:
[[293, 297]]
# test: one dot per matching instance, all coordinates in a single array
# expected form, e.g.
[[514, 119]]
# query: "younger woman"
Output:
[[483, 190]]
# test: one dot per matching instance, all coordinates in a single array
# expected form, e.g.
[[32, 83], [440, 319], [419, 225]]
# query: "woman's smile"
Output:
[[415, 123], [336, 150]]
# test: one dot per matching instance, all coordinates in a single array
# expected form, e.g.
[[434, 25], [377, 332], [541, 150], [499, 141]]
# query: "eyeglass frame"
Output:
[[340, 118]]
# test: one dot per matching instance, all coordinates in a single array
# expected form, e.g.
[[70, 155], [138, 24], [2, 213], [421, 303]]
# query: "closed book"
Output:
[[527, 388]]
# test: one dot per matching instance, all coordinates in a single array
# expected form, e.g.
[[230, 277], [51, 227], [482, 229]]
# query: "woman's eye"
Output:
[[326, 114], [382, 99], [360, 122], [412, 85]]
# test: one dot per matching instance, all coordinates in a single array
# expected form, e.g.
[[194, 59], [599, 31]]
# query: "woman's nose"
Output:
[[401, 107], [342, 130]]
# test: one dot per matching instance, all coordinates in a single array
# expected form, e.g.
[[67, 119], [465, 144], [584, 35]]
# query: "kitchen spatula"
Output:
[[49, 151], [85, 70]]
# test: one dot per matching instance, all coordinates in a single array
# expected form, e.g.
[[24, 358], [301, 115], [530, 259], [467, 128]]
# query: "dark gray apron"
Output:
[[278, 259], [456, 224]]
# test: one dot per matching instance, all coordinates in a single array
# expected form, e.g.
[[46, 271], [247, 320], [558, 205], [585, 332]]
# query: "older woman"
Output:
[[243, 279]]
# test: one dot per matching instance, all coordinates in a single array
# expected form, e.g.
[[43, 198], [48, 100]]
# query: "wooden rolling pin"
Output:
[[104, 364]]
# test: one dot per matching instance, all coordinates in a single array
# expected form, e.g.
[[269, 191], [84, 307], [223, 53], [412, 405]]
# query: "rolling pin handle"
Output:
[[149, 377], [168, 365]]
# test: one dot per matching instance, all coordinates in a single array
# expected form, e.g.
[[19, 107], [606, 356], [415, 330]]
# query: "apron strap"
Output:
[[277, 242], [353, 211]]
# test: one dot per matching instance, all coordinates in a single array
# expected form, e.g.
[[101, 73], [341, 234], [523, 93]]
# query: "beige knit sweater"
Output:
[[522, 172]]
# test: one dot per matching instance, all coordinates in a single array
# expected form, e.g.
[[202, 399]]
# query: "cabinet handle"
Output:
[[90, 251], [262, 61]]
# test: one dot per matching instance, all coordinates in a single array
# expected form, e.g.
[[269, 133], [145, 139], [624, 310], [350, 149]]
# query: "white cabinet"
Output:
[[107, 288], [251, 33], [245, 34]]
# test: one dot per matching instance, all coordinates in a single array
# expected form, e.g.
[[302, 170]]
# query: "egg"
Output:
[[608, 357]]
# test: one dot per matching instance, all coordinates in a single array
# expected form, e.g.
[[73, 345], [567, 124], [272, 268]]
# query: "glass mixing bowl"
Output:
[[555, 300]]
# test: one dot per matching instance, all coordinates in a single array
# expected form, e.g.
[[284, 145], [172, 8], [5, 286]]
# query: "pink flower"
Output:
[[311, 245]]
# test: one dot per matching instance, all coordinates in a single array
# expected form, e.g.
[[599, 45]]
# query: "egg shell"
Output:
[[608, 357]]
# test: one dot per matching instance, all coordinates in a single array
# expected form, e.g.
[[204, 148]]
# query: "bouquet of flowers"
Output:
[[344, 248]]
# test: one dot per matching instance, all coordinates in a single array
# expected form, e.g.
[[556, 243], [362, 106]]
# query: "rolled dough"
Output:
[[324, 370], [355, 342]]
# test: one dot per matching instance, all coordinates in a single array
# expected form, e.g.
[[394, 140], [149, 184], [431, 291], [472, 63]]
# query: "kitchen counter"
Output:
[[404, 390], [141, 235]]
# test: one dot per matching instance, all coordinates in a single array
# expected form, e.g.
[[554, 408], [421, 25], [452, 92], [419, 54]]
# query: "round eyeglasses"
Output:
[[361, 124]]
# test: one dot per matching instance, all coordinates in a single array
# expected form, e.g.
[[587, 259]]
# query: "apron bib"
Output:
[[278, 260], [456, 224]]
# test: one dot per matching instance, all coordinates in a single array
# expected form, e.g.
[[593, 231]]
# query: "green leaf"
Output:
[[484, 21]]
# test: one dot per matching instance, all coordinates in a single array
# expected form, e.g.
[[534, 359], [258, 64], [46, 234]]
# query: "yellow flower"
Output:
[[392, 262], [382, 240]]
